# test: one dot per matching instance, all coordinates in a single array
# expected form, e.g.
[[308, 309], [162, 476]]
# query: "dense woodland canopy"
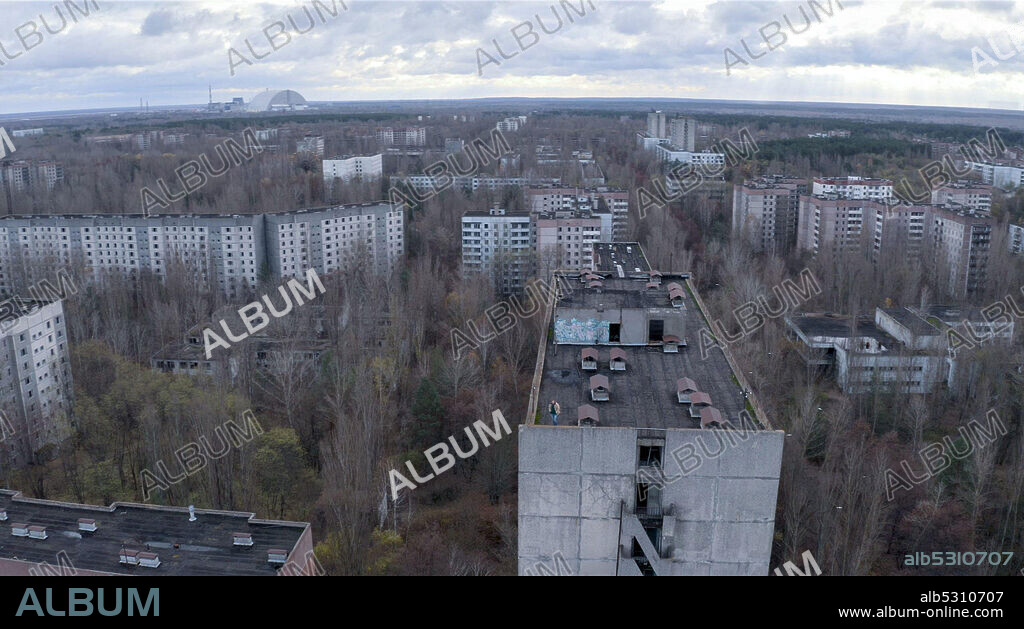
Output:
[[390, 386]]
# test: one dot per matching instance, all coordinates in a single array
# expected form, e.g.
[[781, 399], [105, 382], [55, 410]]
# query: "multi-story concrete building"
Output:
[[129, 539], [667, 153], [961, 241], [1014, 240], [766, 212], [971, 195], [224, 252], [1004, 175], [835, 223], [312, 144], [409, 136], [862, 188], [615, 200], [21, 175], [903, 348], [565, 240], [35, 377], [500, 244], [606, 488], [954, 238], [353, 168], [656, 125], [334, 238], [683, 133], [429, 183], [511, 124]]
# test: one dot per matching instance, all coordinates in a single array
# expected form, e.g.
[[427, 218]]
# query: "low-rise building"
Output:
[[131, 539], [908, 349]]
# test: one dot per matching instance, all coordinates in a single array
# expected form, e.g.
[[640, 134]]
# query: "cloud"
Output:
[[877, 51]]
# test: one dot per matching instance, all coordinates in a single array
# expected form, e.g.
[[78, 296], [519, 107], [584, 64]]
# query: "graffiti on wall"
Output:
[[577, 332]]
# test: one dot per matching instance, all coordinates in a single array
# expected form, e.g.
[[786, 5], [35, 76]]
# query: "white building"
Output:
[[334, 238], [511, 124], [22, 133], [501, 244], [35, 376], [557, 198], [353, 167], [1015, 242], [972, 195], [1000, 175], [667, 153], [221, 251], [861, 188], [409, 136]]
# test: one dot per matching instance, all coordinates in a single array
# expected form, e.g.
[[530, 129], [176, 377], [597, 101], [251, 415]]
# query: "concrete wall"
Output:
[[573, 480], [587, 326]]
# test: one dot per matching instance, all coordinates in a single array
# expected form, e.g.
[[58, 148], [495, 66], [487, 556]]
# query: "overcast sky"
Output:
[[168, 53]]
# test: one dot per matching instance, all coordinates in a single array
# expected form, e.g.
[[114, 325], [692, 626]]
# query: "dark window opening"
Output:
[[655, 330], [650, 456], [613, 332]]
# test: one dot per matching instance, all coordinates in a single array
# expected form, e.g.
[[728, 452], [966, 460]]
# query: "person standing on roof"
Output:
[[554, 409]]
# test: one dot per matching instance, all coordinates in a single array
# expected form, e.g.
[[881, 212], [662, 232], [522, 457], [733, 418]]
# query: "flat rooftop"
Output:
[[203, 547], [953, 315], [194, 215], [833, 325], [644, 395], [914, 323], [609, 257], [617, 292]]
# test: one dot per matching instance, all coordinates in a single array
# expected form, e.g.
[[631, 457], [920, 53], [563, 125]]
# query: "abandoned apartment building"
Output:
[[606, 489], [50, 537]]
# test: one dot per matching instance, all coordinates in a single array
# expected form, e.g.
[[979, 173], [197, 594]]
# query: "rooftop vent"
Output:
[[129, 557], [618, 359], [242, 539], [685, 387], [588, 359], [148, 560], [19, 530], [698, 401], [85, 524], [191, 513], [599, 390], [587, 415], [37, 532], [277, 556], [3, 515], [670, 344], [711, 417]]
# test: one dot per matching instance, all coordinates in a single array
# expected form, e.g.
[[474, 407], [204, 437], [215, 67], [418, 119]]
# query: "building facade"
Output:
[[35, 378], [227, 253], [766, 212], [683, 133], [500, 244], [353, 168]]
